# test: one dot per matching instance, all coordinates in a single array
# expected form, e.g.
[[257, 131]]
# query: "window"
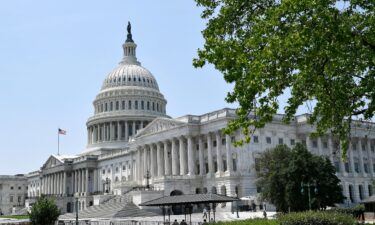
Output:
[[19, 188], [130, 104], [354, 146], [256, 140], [365, 167], [233, 139], [11, 188], [372, 148], [347, 168], [234, 165], [111, 106], [369, 190], [148, 105], [117, 105], [136, 104], [356, 167], [157, 107], [315, 143], [281, 141], [373, 168], [142, 105], [257, 164], [360, 188], [103, 171], [337, 166], [292, 142], [351, 197], [214, 143], [205, 145], [215, 166], [363, 147], [268, 140], [106, 107], [19, 199], [223, 141], [325, 144], [123, 105], [11, 199], [116, 169], [123, 167], [109, 170], [153, 106]]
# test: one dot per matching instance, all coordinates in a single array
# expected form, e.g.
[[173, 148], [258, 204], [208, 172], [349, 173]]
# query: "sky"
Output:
[[54, 56]]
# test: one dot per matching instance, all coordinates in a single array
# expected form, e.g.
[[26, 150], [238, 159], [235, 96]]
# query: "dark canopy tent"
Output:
[[188, 201]]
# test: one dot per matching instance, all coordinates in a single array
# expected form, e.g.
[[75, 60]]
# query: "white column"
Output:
[[153, 161], [229, 154], [145, 167], [119, 130], [167, 162], [175, 170], [371, 169], [209, 154], [80, 180], [361, 150], [95, 181], [126, 131], [133, 128], [87, 181], [351, 158], [73, 182], [218, 153], [182, 156], [201, 156], [191, 158], [139, 165], [160, 159]]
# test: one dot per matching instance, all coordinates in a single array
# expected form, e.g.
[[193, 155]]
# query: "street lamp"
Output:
[[76, 210], [309, 185]]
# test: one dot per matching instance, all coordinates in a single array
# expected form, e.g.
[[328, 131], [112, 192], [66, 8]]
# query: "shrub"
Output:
[[251, 222], [44, 212], [356, 211], [316, 218]]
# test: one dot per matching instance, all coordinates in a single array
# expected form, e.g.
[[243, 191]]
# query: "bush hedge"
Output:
[[356, 211], [316, 218], [251, 222]]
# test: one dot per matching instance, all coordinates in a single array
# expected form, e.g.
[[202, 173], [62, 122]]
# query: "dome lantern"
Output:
[[129, 49]]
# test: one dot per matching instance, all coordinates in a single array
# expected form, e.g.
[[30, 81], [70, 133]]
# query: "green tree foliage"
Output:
[[283, 170], [318, 50], [44, 211]]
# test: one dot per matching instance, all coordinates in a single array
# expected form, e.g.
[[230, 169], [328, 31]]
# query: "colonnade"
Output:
[[54, 184], [114, 130], [177, 156]]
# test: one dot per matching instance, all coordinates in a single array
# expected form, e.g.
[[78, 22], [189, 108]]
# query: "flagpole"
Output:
[[58, 142]]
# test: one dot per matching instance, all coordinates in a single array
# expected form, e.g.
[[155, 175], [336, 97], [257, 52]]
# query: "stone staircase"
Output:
[[119, 206]]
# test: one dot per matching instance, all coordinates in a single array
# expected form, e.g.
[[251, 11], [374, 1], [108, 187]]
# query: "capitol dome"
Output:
[[129, 99]]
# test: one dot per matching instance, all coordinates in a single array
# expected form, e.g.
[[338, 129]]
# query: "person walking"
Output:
[[183, 222], [175, 223], [205, 213]]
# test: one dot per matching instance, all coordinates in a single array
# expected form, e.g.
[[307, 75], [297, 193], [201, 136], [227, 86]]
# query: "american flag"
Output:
[[61, 131]]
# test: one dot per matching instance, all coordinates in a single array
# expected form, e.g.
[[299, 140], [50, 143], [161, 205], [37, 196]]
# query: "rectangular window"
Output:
[[281, 141], [363, 147], [11, 199], [153, 106], [347, 168], [19, 199], [292, 142], [337, 166], [148, 105], [234, 165], [214, 143], [315, 143], [123, 105], [117, 105], [268, 140], [365, 167], [223, 141], [372, 148], [130, 105], [136, 104], [111, 106], [11, 188], [256, 140], [19, 188], [356, 167], [142, 105], [106, 107]]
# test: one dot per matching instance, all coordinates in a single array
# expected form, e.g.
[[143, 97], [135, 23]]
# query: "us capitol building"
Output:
[[132, 142]]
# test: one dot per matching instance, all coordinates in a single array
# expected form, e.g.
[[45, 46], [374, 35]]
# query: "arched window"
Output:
[[142, 105], [111, 106], [106, 107], [130, 104], [213, 190], [116, 179], [153, 106], [223, 190], [360, 189], [148, 105], [205, 190], [136, 104]]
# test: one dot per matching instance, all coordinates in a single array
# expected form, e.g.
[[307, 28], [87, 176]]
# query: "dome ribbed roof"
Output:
[[130, 75]]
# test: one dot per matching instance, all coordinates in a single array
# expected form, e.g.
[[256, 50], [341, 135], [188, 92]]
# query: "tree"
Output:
[[44, 211], [322, 52], [284, 172]]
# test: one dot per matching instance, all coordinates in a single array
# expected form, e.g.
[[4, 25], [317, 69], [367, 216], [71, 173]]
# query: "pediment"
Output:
[[51, 162], [158, 125]]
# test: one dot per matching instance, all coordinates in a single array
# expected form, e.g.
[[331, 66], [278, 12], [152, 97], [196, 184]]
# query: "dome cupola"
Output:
[[128, 100]]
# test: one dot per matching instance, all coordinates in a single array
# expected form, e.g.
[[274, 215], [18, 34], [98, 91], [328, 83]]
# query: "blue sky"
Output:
[[55, 54]]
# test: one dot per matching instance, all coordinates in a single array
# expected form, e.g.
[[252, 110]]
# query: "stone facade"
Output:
[[130, 137], [13, 191]]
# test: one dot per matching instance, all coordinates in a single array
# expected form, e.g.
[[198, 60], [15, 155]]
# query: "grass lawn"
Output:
[[15, 217]]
